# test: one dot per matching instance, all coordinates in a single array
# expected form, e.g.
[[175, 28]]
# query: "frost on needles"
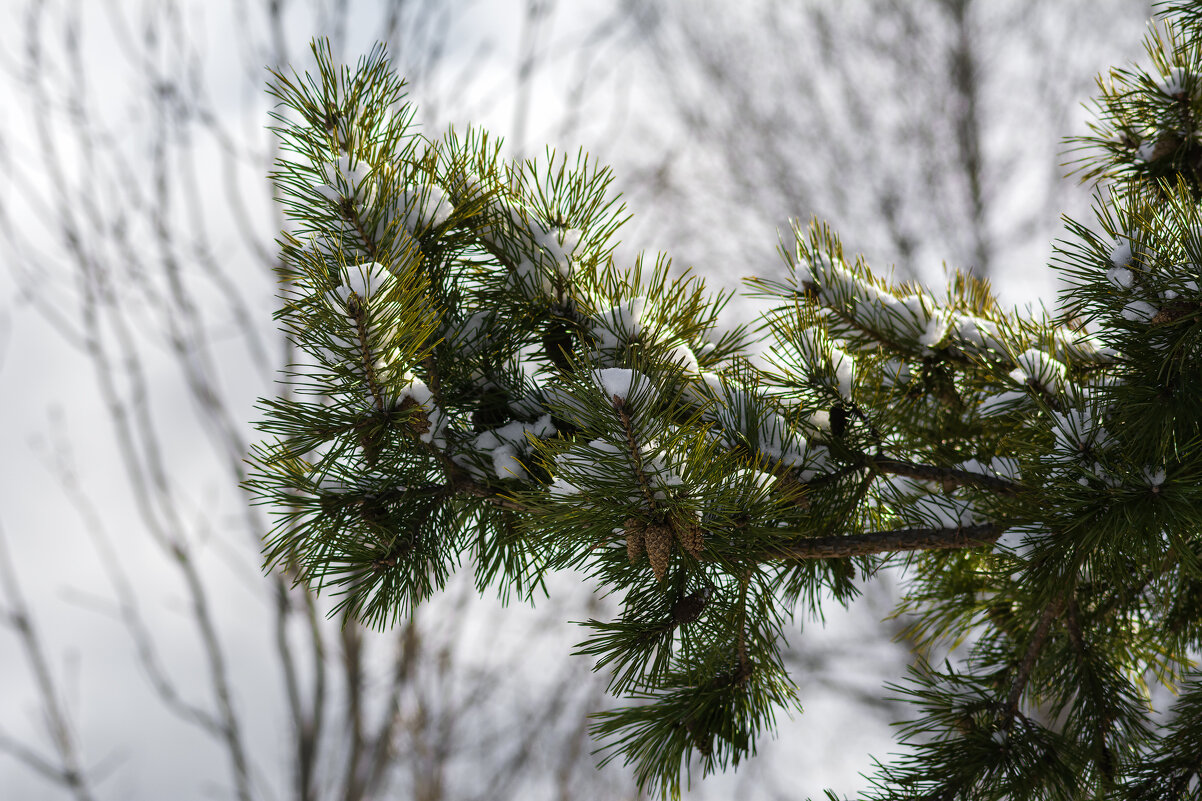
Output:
[[479, 386]]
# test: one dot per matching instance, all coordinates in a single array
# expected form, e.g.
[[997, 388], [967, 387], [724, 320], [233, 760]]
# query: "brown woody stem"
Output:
[[1028, 664], [907, 539], [946, 475]]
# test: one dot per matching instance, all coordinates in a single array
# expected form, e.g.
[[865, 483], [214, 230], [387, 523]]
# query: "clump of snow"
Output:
[[1102, 473], [681, 355], [1146, 150], [936, 331], [758, 478], [423, 207], [562, 488], [978, 332], [834, 282], [1139, 311], [417, 390], [603, 460], [773, 438], [1189, 287], [1078, 435], [559, 246], [1082, 346], [1155, 476], [596, 460], [1037, 367], [845, 371], [505, 463], [904, 488], [910, 317], [705, 388], [620, 324], [1120, 277], [658, 467], [506, 444], [621, 383], [364, 280], [820, 421], [346, 177], [913, 316], [1175, 83], [532, 279], [748, 420], [421, 394], [818, 352], [1121, 254]]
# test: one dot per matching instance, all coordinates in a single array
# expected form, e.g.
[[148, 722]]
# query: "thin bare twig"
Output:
[[66, 767]]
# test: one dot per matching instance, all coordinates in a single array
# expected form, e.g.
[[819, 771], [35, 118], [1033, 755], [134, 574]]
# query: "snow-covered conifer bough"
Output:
[[480, 386]]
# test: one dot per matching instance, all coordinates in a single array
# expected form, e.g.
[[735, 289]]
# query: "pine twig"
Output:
[[357, 311], [1028, 664], [632, 445]]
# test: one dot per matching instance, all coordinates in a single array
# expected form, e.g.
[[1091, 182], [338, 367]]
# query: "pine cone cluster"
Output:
[[655, 539]]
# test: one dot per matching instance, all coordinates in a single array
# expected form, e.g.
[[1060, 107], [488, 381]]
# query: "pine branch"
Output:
[[908, 539], [477, 490], [950, 477], [789, 453]]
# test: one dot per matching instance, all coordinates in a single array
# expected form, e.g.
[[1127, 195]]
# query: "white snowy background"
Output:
[[63, 480]]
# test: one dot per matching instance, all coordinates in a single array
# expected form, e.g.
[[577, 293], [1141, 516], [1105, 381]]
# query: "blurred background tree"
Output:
[[927, 131], [149, 658]]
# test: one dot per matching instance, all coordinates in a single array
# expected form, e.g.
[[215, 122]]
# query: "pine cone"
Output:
[[691, 537], [1172, 312], [421, 424], [634, 540], [658, 541], [690, 607]]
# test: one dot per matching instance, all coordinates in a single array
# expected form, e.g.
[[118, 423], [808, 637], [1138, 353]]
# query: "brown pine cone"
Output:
[[658, 541], [690, 607], [1172, 312], [691, 537], [421, 424], [634, 540]]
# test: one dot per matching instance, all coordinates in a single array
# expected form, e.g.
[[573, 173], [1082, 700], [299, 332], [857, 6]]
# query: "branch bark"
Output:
[[874, 542], [1028, 664], [944, 475]]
